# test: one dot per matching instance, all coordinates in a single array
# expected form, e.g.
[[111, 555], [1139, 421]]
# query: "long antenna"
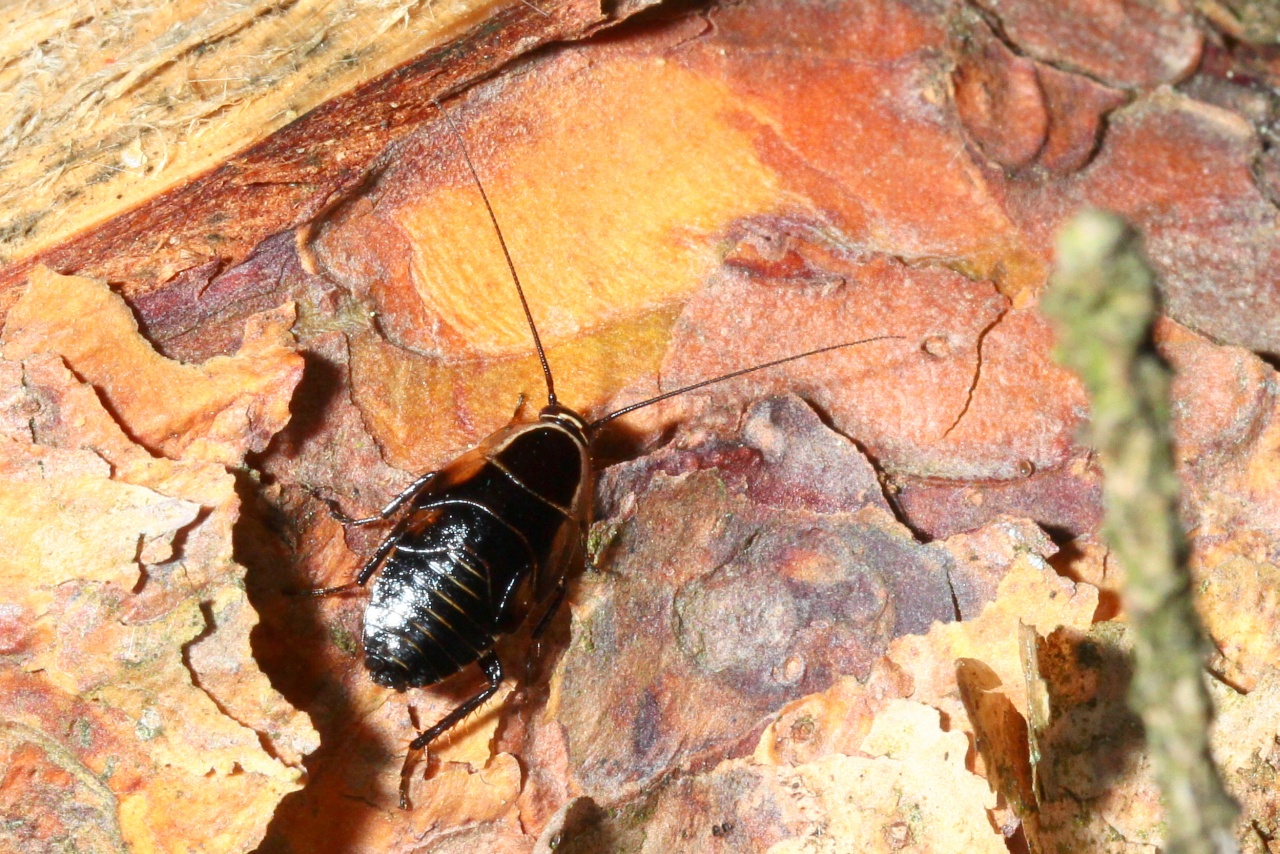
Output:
[[506, 253], [633, 407]]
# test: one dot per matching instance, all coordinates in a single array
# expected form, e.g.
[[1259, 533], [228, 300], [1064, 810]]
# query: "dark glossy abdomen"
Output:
[[444, 591]]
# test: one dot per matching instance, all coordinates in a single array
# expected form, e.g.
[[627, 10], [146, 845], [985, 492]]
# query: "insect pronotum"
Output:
[[486, 542]]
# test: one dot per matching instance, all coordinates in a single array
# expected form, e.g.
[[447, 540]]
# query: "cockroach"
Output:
[[487, 541]]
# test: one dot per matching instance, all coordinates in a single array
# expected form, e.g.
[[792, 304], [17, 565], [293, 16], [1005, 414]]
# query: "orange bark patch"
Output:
[[129, 655], [215, 411]]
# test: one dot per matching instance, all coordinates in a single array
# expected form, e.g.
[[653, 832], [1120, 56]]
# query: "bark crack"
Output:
[[977, 371]]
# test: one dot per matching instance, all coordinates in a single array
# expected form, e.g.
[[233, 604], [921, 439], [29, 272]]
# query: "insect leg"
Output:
[[384, 549], [544, 622], [553, 606], [362, 578], [557, 598], [385, 512], [323, 591], [492, 668]]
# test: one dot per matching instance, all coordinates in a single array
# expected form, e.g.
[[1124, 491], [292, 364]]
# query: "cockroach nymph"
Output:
[[485, 543]]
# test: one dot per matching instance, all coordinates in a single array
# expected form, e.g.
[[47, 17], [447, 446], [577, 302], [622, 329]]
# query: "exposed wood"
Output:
[[141, 140]]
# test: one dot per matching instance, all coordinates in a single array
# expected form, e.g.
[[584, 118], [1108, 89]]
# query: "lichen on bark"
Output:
[[1104, 300]]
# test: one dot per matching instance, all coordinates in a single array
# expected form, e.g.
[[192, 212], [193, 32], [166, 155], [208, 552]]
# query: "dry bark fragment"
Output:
[[1131, 43], [228, 406], [116, 671], [778, 600], [1182, 172], [1095, 791], [814, 756], [916, 770]]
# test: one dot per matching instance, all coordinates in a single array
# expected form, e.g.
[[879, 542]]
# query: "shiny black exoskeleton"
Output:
[[509, 512], [485, 542]]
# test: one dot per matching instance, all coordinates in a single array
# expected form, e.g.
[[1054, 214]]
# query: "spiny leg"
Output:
[[553, 606], [492, 668], [362, 578], [386, 512], [384, 548], [557, 599], [540, 628]]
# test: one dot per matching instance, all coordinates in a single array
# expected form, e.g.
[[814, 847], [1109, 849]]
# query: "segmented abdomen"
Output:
[[439, 596]]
